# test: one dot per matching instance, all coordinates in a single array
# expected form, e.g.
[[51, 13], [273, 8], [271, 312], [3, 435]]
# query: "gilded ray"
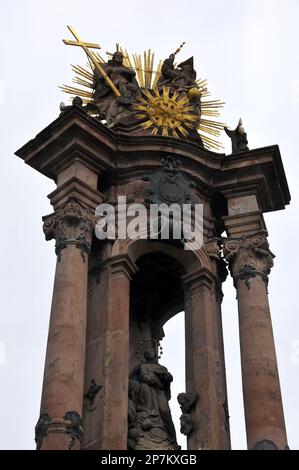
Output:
[[147, 74]]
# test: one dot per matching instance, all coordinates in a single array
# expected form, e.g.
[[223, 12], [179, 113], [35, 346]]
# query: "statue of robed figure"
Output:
[[149, 393]]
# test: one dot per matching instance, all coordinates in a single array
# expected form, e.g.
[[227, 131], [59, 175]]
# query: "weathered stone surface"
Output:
[[92, 163], [250, 261]]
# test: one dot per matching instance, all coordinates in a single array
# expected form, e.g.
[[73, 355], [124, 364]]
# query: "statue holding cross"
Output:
[[115, 88], [124, 79]]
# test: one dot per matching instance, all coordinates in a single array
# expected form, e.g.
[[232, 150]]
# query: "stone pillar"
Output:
[[59, 425], [108, 355], [213, 248], [204, 374], [250, 261]]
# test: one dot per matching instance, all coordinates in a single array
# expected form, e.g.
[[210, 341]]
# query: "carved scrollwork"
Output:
[[71, 424], [41, 429], [73, 224], [249, 257], [168, 185], [74, 428], [213, 249]]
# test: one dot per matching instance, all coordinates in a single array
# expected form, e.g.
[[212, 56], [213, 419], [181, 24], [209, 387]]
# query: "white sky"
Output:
[[248, 52]]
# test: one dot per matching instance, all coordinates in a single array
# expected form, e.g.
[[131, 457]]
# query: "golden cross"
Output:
[[85, 46]]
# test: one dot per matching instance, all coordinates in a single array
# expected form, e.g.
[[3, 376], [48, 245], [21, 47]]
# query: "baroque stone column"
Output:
[[213, 248], [108, 354], [59, 425], [250, 261], [204, 362]]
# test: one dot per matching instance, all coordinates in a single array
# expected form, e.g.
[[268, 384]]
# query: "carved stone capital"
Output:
[[73, 224], [248, 257]]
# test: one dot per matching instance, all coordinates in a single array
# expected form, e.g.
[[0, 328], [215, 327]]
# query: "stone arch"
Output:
[[190, 260]]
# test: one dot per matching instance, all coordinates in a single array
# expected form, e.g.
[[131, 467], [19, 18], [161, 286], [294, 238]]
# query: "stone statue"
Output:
[[187, 402], [133, 426], [107, 105], [153, 419], [187, 424], [181, 78], [238, 138], [121, 107]]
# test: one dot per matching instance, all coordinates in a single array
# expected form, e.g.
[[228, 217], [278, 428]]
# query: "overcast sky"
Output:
[[248, 51]]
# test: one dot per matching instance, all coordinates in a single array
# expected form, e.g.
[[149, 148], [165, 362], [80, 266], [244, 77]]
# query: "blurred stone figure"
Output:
[[238, 138]]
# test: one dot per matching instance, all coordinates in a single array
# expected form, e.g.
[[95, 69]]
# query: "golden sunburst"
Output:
[[165, 113], [147, 75]]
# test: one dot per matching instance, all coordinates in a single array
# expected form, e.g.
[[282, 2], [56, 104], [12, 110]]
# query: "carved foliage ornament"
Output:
[[249, 257], [72, 224]]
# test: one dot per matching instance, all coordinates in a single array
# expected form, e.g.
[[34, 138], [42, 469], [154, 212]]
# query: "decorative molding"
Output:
[[213, 249], [70, 424], [73, 224], [41, 429], [248, 257]]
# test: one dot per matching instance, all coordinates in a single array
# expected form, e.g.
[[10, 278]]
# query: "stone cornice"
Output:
[[75, 135]]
